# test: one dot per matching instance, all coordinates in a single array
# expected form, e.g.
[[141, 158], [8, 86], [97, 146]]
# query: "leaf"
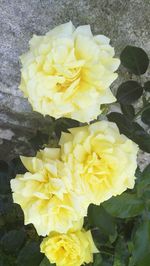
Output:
[[146, 173], [45, 262], [141, 245], [99, 237], [12, 241], [128, 92], [5, 207], [132, 130], [32, 233], [124, 206], [134, 59], [97, 260], [38, 140], [146, 116], [13, 215], [147, 86], [30, 255], [63, 124], [98, 217], [128, 111], [141, 137], [144, 180], [124, 125], [121, 257], [16, 167], [6, 259]]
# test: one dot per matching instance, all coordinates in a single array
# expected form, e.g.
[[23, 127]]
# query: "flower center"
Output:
[[98, 168]]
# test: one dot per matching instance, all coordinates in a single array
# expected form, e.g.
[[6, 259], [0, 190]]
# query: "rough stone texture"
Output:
[[125, 22]]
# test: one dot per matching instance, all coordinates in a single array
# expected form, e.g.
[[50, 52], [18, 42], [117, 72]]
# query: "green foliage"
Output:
[[97, 260], [134, 59], [144, 183], [121, 256], [63, 124], [124, 206], [129, 91], [98, 217], [147, 86], [131, 129], [141, 245], [30, 255], [45, 262], [128, 111], [39, 140], [146, 115], [12, 241]]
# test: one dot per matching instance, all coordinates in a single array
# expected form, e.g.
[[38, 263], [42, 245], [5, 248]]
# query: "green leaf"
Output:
[[12, 214], [99, 237], [134, 59], [141, 137], [97, 260], [63, 124], [45, 262], [2, 224], [98, 217], [147, 86], [30, 255], [146, 173], [146, 116], [121, 253], [16, 167], [132, 130], [141, 245], [38, 140], [12, 241], [6, 259], [124, 125], [32, 233], [144, 181], [124, 206], [128, 111], [128, 92]]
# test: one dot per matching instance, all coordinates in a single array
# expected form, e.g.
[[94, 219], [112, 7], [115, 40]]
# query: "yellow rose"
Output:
[[71, 249], [43, 195], [102, 161], [68, 71]]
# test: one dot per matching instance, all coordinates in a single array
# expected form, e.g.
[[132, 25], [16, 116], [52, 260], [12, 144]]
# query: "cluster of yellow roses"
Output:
[[67, 73]]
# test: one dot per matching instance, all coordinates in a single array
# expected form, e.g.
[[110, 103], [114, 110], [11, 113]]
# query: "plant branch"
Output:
[[141, 111]]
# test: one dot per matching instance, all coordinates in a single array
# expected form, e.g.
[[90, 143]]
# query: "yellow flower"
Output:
[[102, 161], [68, 71], [71, 249], [43, 195]]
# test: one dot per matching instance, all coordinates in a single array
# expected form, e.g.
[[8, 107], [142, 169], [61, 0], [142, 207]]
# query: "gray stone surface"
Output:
[[125, 22]]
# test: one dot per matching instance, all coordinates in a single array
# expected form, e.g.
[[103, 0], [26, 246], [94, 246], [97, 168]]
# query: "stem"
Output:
[[140, 80], [144, 99], [141, 111]]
